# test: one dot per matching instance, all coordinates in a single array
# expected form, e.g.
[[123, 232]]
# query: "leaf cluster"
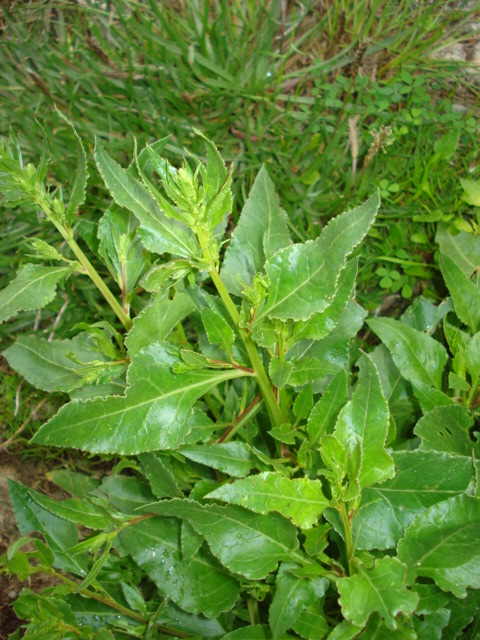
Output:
[[273, 481]]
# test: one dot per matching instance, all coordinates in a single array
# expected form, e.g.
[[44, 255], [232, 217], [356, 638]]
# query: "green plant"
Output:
[[261, 489]]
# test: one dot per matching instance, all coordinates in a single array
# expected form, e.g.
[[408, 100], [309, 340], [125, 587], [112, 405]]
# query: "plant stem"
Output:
[[349, 548], [257, 365], [90, 270]]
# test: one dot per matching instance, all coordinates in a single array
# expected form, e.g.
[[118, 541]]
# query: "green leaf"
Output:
[[308, 370], [324, 414], [161, 479], [83, 511], [49, 365], [379, 589], [127, 493], [321, 324], [234, 458], [157, 320], [472, 359], [33, 288], [159, 234], [292, 596], [463, 249], [444, 544], [471, 190], [398, 392], [446, 429], [217, 184], [364, 421], [431, 615], [376, 629], [303, 278], [312, 623], [301, 499], [303, 403], [280, 372], [245, 543], [196, 584], [153, 414], [419, 357], [218, 330], [422, 479], [261, 231], [344, 631], [120, 247], [465, 295], [78, 193], [59, 534]]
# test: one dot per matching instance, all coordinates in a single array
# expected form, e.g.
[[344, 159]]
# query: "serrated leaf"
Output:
[[446, 429], [422, 479], [157, 320], [364, 421], [323, 416], [159, 234], [120, 247], [249, 544], [444, 544], [280, 372], [303, 278], [78, 189], [153, 414], [303, 403], [218, 330], [292, 596], [309, 370], [83, 511], [463, 249], [301, 499], [197, 584], [419, 357], [398, 392], [261, 231], [379, 589], [234, 458], [59, 534], [321, 324], [48, 365], [169, 615], [465, 295], [32, 288], [161, 479]]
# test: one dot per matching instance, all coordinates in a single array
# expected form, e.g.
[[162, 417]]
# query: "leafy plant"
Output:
[[262, 490]]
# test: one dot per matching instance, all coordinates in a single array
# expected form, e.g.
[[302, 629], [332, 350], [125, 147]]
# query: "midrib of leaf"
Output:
[[444, 540], [268, 309], [45, 359], [236, 521], [296, 585], [417, 359], [32, 282], [237, 373], [372, 584]]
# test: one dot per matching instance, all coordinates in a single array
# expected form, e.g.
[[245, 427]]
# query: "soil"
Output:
[[32, 475]]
